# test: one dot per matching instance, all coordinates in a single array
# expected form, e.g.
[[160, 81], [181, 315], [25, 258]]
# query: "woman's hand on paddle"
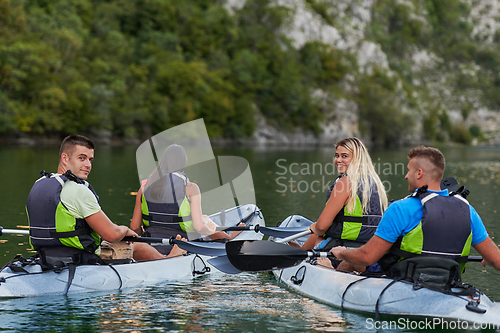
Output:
[[131, 232], [177, 251], [313, 228]]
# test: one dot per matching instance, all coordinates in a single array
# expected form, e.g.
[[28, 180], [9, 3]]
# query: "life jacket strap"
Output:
[[43, 173], [173, 218], [68, 234], [405, 254], [419, 192], [341, 217], [68, 174]]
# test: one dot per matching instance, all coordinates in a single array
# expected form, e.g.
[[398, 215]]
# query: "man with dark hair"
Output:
[[66, 220], [415, 226], [70, 143]]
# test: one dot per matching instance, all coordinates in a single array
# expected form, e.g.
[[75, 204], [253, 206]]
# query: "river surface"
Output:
[[286, 182]]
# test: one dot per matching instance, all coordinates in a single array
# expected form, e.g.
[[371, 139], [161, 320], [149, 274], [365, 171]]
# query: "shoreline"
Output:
[[281, 141]]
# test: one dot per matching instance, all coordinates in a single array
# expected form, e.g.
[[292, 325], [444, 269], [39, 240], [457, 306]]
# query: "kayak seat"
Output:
[[434, 273], [58, 257]]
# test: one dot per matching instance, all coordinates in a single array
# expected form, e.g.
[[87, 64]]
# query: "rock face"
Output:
[[428, 73]]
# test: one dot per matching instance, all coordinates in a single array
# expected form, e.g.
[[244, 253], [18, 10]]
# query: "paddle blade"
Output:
[[258, 256], [224, 265]]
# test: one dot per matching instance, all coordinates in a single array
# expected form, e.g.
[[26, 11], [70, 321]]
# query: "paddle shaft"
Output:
[[208, 249], [238, 228], [222, 217], [270, 231], [13, 231], [298, 235], [169, 241], [330, 255], [150, 240]]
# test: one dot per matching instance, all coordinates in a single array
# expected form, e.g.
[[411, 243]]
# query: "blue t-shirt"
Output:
[[404, 215]]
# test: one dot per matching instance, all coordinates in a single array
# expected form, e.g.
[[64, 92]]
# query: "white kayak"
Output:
[[30, 280], [360, 293]]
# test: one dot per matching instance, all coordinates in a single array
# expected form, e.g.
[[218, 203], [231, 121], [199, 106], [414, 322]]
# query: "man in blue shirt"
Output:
[[403, 221]]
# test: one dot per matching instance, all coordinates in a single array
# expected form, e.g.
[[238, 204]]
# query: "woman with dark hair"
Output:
[[168, 204]]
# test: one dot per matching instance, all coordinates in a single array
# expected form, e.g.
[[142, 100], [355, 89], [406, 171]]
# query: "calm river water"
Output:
[[286, 182]]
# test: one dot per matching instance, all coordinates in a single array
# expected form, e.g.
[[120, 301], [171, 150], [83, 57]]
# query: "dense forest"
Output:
[[136, 67]]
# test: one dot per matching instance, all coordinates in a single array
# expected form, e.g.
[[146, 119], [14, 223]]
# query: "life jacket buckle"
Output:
[[420, 191], [43, 173], [71, 176], [463, 191]]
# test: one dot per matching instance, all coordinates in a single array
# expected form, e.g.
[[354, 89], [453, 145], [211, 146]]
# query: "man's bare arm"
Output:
[[108, 231], [490, 253], [365, 255]]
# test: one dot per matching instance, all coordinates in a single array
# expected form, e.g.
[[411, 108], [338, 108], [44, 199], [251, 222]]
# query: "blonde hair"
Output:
[[362, 173]]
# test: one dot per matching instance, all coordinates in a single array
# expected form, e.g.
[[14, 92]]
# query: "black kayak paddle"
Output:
[[258, 256], [207, 249], [279, 232]]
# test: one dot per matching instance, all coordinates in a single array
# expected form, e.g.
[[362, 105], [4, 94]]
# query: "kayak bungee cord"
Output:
[[71, 271], [117, 274], [349, 286], [204, 270]]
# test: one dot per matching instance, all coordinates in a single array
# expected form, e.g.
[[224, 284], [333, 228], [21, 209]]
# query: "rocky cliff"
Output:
[[441, 76]]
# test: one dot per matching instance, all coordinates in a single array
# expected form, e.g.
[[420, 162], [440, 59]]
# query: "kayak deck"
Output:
[[87, 278], [99, 277], [361, 293], [329, 286]]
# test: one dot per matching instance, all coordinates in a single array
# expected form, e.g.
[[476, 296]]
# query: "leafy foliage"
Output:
[[464, 74], [385, 122], [131, 67], [136, 67]]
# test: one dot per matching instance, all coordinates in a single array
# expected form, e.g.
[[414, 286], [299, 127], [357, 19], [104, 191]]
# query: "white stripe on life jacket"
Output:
[[429, 197]]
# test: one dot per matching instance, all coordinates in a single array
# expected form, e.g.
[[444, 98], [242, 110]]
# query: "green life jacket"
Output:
[[51, 223], [431, 237], [355, 228], [166, 210]]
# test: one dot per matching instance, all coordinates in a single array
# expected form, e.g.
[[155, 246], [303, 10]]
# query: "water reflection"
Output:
[[223, 303], [248, 302]]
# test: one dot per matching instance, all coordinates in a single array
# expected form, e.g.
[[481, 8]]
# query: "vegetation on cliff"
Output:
[[136, 67], [131, 67]]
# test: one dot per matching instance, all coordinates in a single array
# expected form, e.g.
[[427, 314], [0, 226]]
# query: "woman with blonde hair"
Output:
[[355, 201]]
